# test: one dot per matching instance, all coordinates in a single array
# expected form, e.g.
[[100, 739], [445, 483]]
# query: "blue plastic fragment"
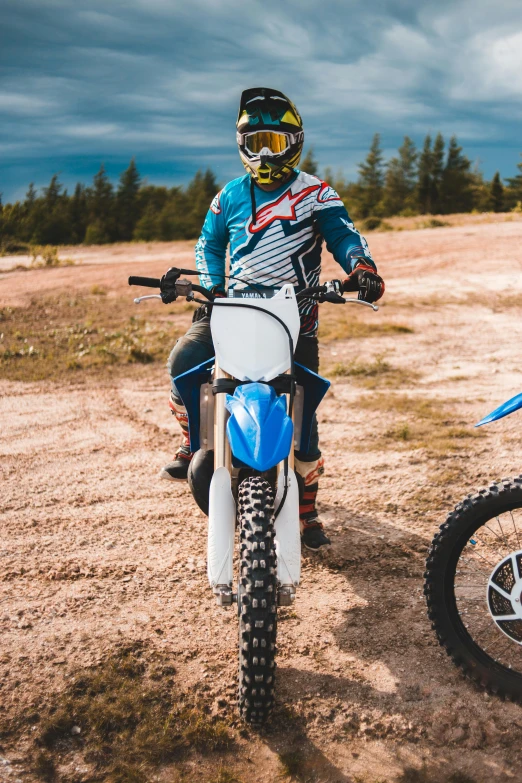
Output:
[[259, 429], [505, 409], [314, 387], [187, 385]]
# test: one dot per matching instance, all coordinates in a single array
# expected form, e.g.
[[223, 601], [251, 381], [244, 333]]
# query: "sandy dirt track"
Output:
[[96, 552]]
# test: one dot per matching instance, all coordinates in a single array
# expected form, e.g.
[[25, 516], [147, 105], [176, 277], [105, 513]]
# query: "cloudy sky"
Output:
[[86, 81]]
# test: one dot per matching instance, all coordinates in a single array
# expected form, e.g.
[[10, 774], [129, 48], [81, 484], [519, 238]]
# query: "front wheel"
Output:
[[473, 587], [257, 599]]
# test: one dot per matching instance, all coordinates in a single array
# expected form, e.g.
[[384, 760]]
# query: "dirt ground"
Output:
[[100, 559]]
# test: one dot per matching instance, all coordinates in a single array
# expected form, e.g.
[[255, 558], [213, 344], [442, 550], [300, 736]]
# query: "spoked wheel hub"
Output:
[[504, 596]]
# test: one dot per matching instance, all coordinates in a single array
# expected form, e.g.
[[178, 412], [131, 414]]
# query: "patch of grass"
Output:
[[340, 326], [49, 257], [432, 223], [44, 767], [225, 776], [292, 765], [371, 223], [129, 724], [377, 372], [420, 423], [61, 335]]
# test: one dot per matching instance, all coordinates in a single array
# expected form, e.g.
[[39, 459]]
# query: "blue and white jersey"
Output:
[[282, 243]]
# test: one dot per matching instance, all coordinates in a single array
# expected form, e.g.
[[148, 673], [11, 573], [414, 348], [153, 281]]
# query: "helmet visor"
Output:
[[275, 142]]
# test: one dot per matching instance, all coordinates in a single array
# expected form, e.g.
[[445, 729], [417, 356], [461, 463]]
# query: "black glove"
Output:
[[205, 310], [365, 280], [168, 285]]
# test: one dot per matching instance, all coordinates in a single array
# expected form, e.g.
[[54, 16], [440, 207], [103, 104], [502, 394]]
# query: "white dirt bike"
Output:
[[248, 409]]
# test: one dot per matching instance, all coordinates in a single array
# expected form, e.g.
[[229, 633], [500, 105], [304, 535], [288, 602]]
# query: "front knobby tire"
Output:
[[257, 599], [489, 520]]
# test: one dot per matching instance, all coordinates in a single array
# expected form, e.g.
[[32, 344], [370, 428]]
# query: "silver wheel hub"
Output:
[[504, 596]]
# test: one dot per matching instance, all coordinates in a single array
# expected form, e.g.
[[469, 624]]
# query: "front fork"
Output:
[[222, 519]]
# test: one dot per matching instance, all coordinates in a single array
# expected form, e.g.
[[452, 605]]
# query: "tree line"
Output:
[[434, 180]]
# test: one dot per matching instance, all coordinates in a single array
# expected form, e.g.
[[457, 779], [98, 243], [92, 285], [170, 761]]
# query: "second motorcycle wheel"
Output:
[[257, 599], [473, 587]]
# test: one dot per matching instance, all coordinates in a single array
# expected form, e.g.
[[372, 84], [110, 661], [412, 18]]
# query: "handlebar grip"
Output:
[[148, 282]]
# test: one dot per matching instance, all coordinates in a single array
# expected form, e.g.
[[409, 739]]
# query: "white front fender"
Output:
[[221, 529]]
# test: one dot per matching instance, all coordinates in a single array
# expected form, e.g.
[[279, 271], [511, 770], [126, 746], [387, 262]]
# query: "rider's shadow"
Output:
[[286, 735], [383, 566], [385, 622], [366, 546]]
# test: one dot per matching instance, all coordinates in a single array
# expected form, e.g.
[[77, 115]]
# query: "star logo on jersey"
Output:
[[282, 209]]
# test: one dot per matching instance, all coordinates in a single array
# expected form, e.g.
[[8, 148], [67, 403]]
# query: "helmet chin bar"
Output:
[[267, 176], [268, 167]]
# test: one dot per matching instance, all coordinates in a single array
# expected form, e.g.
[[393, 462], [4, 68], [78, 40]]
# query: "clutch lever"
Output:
[[150, 296]]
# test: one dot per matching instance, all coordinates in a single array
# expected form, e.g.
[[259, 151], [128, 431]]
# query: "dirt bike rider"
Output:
[[275, 219]]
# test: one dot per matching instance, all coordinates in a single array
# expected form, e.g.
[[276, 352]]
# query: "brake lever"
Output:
[[362, 302]]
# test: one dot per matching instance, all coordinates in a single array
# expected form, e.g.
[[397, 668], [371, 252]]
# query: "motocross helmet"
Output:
[[269, 134]]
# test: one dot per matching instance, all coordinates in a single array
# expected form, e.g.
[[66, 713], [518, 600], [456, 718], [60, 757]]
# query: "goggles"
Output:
[[271, 140]]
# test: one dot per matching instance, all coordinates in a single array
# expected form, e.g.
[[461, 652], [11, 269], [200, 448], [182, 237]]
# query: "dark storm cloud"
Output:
[[160, 79]]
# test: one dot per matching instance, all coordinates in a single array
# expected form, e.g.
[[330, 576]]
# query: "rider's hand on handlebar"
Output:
[[168, 285], [365, 280]]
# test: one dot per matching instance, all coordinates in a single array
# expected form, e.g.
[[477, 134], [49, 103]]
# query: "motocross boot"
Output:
[[313, 536], [177, 470]]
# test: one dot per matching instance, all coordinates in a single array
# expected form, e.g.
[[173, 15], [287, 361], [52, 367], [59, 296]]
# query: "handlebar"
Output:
[[328, 292], [148, 282]]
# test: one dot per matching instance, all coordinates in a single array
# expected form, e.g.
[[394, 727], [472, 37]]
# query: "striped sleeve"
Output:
[[343, 240], [211, 247]]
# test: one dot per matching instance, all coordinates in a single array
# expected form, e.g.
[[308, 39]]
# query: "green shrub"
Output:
[[96, 234], [371, 223]]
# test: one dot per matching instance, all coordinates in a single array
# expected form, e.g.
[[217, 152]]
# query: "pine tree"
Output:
[[49, 221], [101, 226], [513, 193], [309, 163], [30, 196], [400, 179], [371, 179], [437, 173], [425, 178], [199, 194], [127, 204], [78, 214], [52, 192], [455, 192], [497, 193], [31, 213]]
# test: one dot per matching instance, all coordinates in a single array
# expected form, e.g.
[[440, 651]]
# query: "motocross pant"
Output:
[[196, 347]]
